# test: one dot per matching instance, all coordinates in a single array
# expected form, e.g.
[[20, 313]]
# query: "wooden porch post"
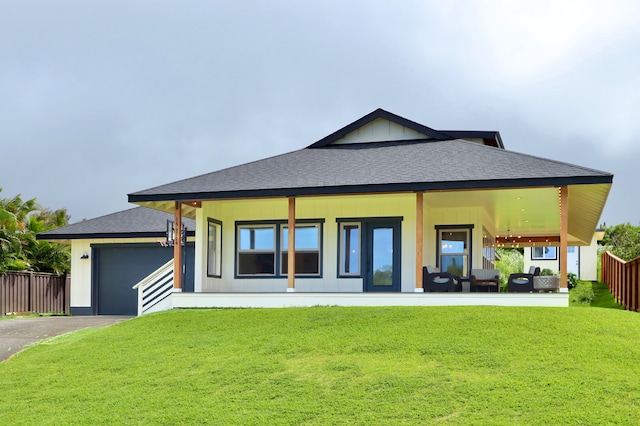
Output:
[[177, 246], [291, 255], [564, 229], [419, 239]]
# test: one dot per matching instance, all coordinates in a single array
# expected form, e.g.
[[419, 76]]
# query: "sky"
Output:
[[105, 98]]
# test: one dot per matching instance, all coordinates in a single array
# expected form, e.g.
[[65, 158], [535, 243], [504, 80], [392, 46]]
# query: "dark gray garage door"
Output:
[[118, 267]]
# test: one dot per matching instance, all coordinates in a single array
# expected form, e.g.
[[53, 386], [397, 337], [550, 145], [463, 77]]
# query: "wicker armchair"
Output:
[[523, 283], [434, 281]]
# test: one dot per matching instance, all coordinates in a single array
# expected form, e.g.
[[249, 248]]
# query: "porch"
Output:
[[180, 300], [157, 293]]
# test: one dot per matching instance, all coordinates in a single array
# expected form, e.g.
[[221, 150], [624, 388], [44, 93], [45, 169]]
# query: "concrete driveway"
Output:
[[16, 334]]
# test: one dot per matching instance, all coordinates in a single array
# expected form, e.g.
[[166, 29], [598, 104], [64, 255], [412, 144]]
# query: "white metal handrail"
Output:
[[155, 288]]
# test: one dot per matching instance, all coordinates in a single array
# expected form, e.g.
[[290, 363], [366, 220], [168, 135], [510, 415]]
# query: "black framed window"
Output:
[[350, 234], [307, 249], [257, 250], [454, 249], [544, 253], [262, 248], [214, 248]]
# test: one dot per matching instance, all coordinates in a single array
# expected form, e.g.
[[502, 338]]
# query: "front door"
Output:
[[573, 260], [382, 255]]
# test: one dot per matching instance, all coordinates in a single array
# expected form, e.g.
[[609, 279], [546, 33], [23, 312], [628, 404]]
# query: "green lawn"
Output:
[[332, 365]]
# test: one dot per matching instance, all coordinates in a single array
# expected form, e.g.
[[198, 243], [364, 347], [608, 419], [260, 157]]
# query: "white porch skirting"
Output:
[[286, 300]]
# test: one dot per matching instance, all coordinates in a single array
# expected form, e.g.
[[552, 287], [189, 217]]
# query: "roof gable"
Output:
[[380, 126]]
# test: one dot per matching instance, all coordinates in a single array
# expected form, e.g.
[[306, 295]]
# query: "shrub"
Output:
[[572, 280], [582, 293], [547, 272]]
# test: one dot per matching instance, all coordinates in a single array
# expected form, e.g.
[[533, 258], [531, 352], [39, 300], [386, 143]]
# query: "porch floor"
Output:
[[285, 300]]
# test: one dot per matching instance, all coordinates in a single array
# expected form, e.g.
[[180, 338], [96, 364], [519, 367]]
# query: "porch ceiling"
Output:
[[188, 210], [532, 212]]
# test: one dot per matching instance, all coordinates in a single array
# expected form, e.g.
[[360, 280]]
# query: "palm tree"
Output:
[[20, 221]]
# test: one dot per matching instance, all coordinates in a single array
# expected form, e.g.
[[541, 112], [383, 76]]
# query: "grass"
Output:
[[593, 294], [333, 365]]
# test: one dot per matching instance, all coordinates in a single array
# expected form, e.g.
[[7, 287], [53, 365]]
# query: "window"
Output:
[[454, 246], [307, 249], [256, 250], [214, 248], [543, 253], [262, 249], [349, 249]]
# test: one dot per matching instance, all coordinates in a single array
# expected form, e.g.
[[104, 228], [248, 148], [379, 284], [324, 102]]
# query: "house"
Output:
[[110, 254], [581, 260], [371, 204]]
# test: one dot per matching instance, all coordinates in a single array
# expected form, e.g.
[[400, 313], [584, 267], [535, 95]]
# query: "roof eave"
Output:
[[104, 235], [375, 188]]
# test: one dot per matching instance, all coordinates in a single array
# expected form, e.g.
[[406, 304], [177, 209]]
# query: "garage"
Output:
[[118, 267], [110, 254]]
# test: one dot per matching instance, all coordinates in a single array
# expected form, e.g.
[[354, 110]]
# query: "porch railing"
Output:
[[154, 291], [623, 279]]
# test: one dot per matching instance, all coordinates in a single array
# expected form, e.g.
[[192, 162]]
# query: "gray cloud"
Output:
[[100, 99]]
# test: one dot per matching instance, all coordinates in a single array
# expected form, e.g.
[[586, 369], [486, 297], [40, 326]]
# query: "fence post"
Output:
[[67, 294]]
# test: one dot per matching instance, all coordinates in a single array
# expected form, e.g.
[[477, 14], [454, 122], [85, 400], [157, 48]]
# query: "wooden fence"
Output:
[[623, 279], [34, 292]]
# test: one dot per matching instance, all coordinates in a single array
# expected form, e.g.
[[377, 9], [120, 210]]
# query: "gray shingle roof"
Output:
[[378, 167], [133, 223]]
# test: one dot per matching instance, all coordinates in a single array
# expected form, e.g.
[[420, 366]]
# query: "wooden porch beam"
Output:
[[419, 238], [525, 241], [177, 246], [564, 230], [291, 255]]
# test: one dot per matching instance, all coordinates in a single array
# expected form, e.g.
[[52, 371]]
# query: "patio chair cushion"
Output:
[[485, 274]]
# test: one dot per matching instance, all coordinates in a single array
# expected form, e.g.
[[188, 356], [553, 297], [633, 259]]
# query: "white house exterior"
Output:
[[372, 204], [581, 260]]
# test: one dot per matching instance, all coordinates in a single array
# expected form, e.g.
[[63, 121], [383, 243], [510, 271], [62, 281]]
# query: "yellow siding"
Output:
[[329, 209]]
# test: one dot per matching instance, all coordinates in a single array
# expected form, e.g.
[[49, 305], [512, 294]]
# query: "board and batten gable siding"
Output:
[[328, 209], [380, 130]]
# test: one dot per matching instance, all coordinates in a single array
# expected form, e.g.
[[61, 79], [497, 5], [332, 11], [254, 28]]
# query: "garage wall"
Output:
[[83, 277]]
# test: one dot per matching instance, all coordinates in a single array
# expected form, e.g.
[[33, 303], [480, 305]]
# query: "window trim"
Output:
[[467, 227], [555, 253], [278, 225], [341, 251], [218, 253]]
